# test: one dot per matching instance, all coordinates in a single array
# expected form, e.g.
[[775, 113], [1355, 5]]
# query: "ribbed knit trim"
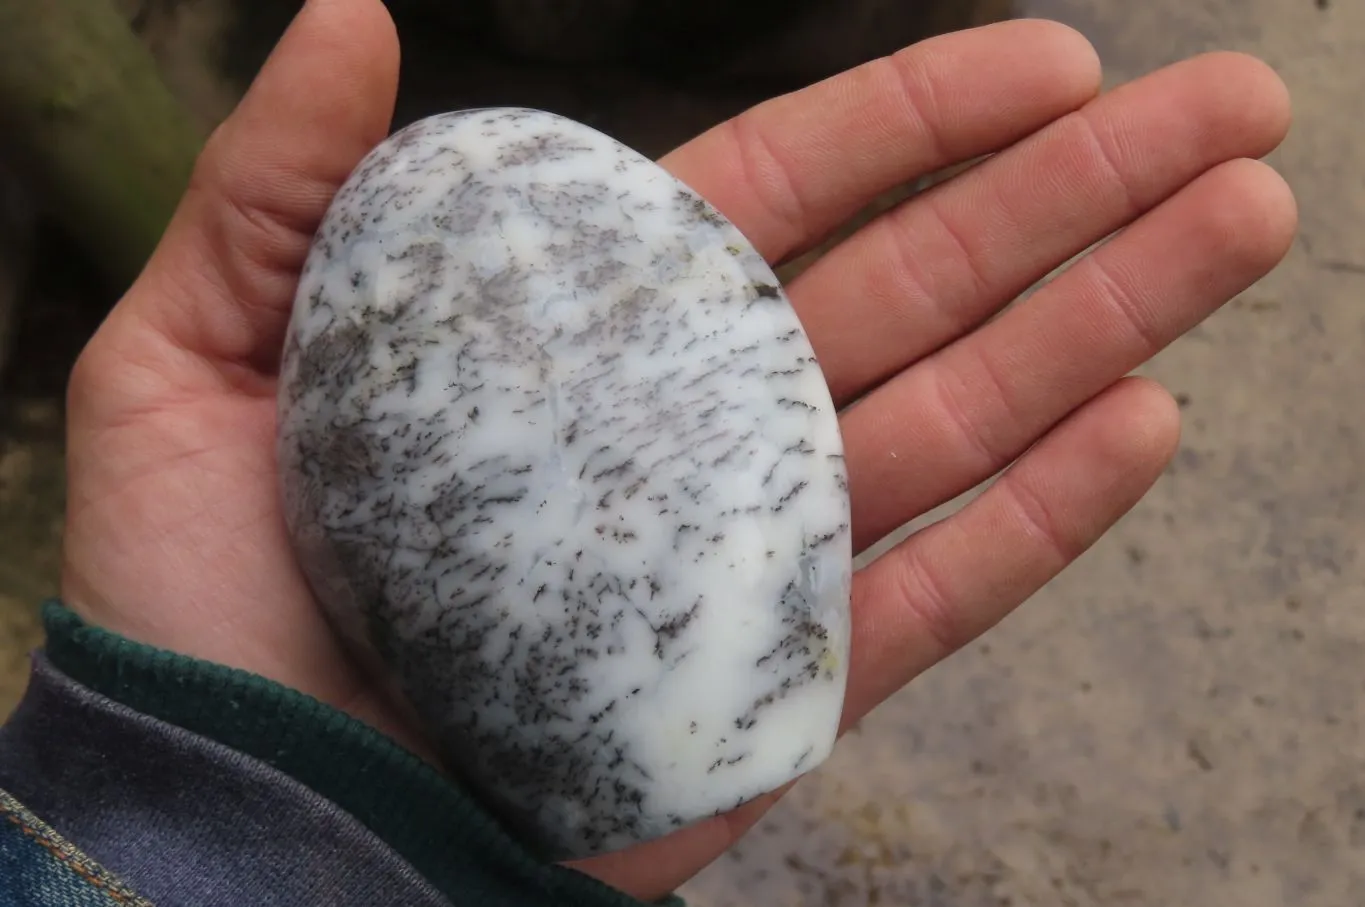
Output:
[[446, 836]]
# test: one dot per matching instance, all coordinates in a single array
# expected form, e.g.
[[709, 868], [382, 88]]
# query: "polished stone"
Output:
[[559, 462]]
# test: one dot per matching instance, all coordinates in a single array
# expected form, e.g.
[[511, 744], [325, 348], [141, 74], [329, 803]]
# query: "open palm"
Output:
[[174, 534]]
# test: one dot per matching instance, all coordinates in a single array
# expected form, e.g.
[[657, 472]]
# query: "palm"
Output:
[[191, 474], [174, 534]]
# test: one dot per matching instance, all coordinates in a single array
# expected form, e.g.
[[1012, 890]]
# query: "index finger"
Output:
[[792, 169]]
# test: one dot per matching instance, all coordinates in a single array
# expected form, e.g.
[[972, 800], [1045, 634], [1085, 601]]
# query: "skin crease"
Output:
[[174, 535]]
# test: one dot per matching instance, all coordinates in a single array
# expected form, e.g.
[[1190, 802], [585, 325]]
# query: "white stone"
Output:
[[559, 462]]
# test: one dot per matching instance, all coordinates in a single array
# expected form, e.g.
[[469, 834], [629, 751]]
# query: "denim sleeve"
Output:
[[40, 867], [192, 783], [122, 806]]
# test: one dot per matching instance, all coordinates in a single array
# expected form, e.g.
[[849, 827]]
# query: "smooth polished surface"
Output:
[[555, 448]]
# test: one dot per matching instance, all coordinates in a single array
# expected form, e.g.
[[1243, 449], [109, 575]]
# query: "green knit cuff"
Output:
[[441, 831]]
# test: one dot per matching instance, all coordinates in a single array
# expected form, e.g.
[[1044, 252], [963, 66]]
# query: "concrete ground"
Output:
[[1180, 718]]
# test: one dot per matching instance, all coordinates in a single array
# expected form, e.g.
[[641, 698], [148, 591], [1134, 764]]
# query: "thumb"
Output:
[[221, 283]]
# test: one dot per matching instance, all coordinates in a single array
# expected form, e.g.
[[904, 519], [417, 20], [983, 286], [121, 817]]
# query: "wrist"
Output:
[[431, 822]]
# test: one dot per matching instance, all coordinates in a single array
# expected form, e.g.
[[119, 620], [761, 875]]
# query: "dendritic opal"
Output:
[[558, 461]]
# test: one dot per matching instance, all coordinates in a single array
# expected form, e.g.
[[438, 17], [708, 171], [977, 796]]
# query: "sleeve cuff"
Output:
[[427, 819]]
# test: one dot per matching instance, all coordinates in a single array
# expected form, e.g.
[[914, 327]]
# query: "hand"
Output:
[[174, 535]]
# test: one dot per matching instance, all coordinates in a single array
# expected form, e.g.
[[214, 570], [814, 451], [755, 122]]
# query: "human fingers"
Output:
[[221, 283], [790, 170], [958, 417], [949, 582], [944, 262]]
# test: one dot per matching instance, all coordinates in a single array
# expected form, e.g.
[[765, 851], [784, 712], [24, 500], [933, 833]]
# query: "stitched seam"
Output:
[[67, 854]]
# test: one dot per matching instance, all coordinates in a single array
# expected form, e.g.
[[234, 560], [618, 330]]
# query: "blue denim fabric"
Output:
[[183, 820], [39, 868]]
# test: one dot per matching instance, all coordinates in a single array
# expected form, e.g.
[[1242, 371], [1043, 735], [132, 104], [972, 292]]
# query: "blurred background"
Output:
[[1178, 720]]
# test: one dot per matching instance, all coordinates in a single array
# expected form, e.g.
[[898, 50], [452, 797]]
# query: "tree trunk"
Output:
[[83, 109]]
